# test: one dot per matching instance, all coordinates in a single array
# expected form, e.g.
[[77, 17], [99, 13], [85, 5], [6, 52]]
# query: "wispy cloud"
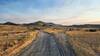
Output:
[[58, 11]]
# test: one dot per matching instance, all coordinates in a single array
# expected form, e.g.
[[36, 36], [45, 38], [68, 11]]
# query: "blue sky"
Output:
[[57, 11]]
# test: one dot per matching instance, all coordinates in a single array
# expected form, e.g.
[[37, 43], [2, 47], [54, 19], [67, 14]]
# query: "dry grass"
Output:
[[12, 37], [85, 43], [52, 30]]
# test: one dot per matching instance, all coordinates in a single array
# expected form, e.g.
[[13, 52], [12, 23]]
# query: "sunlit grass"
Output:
[[85, 43]]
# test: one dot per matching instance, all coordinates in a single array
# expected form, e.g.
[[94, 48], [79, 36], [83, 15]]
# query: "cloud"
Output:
[[58, 11], [78, 21]]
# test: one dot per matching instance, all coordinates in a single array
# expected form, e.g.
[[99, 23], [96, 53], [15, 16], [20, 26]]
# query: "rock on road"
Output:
[[48, 45]]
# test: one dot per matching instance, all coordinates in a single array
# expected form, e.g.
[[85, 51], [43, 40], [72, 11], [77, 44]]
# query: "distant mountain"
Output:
[[86, 26], [38, 23], [8, 23], [41, 23]]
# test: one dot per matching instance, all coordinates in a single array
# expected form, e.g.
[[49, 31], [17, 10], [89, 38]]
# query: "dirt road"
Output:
[[48, 45]]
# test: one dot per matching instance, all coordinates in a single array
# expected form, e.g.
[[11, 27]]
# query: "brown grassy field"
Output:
[[85, 43], [11, 37]]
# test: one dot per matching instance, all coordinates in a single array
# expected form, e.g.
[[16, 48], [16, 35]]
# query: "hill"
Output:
[[42, 24]]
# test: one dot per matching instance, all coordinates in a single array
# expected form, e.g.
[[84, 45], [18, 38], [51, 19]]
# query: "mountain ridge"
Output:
[[41, 23]]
